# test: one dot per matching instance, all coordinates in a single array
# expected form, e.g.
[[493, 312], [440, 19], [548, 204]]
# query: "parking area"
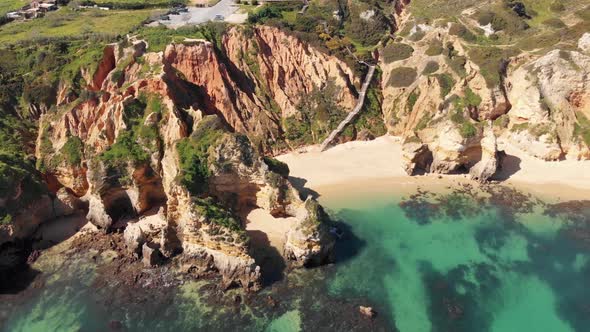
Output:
[[224, 10]]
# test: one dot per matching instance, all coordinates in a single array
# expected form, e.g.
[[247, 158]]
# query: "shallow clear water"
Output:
[[429, 263]]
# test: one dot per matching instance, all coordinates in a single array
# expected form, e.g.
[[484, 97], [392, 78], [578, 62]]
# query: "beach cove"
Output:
[[427, 253]]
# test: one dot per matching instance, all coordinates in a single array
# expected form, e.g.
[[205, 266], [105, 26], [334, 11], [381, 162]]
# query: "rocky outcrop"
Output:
[[147, 107], [416, 156], [490, 160], [440, 103], [309, 242], [287, 67], [134, 239], [151, 255], [584, 43], [439, 114], [551, 97], [243, 180]]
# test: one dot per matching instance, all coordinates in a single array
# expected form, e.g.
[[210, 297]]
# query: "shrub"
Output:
[[446, 83], [368, 32], [435, 48], [265, 13], [417, 36], [296, 129], [468, 130], [123, 151], [430, 68], [457, 64], [461, 31], [193, 155], [471, 98], [582, 129], [215, 213], [116, 76], [277, 166], [72, 150], [555, 23], [557, 6], [491, 61], [485, 17], [396, 52], [402, 77]]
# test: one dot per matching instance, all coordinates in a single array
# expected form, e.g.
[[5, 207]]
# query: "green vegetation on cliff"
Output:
[[582, 128], [135, 144], [217, 214], [397, 51], [318, 115], [73, 150], [277, 166], [402, 77], [193, 153]]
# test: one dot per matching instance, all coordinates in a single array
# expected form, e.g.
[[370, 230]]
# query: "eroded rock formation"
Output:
[[452, 116], [172, 132]]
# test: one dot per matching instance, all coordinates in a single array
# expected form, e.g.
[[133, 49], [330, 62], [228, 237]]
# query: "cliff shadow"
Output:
[[271, 262], [16, 275], [510, 165], [58, 230], [18, 280], [304, 192], [348, 245]]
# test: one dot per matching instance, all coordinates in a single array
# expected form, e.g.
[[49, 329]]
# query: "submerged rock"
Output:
[[367, 311], [134, 239], [151, 255]]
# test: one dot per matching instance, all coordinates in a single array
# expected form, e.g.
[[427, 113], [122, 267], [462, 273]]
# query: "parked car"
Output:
[[219, 17]]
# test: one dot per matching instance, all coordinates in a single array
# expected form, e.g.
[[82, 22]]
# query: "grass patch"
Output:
[[446, 83], [491, 62], [402, 77], [11, 5], [582, 129], [430, 68], [435, 48], [396, 52], [138, 4], [66, 22]]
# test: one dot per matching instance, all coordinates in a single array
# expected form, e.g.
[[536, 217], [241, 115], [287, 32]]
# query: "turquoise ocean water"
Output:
[[451, 262]]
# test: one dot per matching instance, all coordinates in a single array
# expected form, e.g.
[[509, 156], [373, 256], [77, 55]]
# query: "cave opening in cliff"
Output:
[[120, 208]]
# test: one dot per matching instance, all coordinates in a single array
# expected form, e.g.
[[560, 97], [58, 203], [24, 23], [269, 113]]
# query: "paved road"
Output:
[[198, 15]]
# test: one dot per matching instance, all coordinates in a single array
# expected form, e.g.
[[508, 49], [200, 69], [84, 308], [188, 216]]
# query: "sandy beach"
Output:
[[376, 166]]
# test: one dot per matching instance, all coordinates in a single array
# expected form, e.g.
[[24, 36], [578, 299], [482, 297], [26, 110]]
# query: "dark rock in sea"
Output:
[[33, 256], [271, 301], [115, 325], [151, 255]]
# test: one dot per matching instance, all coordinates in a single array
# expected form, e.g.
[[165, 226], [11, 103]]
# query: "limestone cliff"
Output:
[[453, 113], [172, 131]]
